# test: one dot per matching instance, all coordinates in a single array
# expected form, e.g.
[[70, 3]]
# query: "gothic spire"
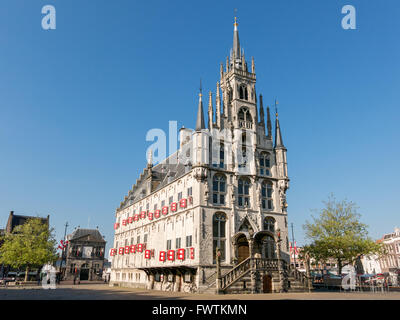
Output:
[[210, 111], [262, 111], [278, 135], [200, 115], [218, 107], [236, 43], [269, 124]]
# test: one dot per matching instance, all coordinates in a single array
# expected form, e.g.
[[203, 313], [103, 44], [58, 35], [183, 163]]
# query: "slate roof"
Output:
[[79, 233], [164, 173], [16, 220]]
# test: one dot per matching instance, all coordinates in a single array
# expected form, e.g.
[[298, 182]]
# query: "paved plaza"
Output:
[[104, 292]]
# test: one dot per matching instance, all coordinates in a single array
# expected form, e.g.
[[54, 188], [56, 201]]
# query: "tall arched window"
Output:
[[245, 119], [219, 234], [269, 224], [265, 164], [269, 247], [266, 195], [218, 153], [219, 189], [221, 155], [241, 93], [244, 193]]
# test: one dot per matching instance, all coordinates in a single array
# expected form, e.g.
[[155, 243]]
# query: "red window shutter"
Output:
[[143, 215], [181, 254], [147, 254], [124, 222], [150, 215], [165, 210], [183, 203], [140, 247], [121, 250], [127, 249], [174, 206], [116, 225], [191, 253], [162, 255], [130, 219], [136, 217], [171, 255], [157, 213], [133, 248]]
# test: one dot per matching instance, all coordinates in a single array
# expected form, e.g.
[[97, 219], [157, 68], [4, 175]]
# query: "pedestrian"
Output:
[[39, 277]]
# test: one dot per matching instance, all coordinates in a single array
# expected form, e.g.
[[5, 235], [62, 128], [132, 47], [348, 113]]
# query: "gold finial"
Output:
[[235, 24]]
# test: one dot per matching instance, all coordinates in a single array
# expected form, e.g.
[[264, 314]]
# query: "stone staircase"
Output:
[[298, 281], [238, 279], [235, 274]]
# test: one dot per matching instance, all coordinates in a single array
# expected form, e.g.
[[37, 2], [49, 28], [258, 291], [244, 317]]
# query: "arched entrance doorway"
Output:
[[243, 251], [84, 272]]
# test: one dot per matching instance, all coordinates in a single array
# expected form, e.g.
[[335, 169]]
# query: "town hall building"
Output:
[[220, 200]]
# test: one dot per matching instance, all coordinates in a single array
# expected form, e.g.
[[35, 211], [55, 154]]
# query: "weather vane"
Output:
[[200, 87], [276, 107]]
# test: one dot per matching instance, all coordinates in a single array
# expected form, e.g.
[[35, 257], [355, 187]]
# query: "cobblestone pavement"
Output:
[[104, 292]]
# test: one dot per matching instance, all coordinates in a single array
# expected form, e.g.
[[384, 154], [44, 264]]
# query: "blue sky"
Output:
[[76, 102]]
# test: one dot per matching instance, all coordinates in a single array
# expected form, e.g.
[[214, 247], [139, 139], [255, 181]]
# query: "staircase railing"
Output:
[[250, 263], [210, 281], [235, 273]]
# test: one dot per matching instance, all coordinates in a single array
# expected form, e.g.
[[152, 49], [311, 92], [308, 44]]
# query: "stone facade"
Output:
[[85, 255], [224, 188]]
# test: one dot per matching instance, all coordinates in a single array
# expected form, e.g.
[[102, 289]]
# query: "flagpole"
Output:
[[64, 245]]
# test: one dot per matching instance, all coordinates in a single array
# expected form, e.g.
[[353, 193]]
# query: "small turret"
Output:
[[262, 121], [269, 124], [200, 115], [218, 107], [210, 111]]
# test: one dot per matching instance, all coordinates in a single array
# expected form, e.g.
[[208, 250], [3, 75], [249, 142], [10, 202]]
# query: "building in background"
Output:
[[12, 222], [85, 255], [16, 220], [390, 262], [371, 264], [227, 193]]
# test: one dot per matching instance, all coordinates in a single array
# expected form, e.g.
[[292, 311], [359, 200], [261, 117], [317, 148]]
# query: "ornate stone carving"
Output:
[[258, 195], [283, 186], [200, 173], [206, 191]]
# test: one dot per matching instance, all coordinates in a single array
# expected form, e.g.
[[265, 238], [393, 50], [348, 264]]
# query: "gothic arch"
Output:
[[247, 225]]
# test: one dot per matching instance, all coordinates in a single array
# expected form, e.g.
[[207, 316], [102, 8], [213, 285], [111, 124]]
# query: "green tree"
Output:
[[30, 245], [338, 234]]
